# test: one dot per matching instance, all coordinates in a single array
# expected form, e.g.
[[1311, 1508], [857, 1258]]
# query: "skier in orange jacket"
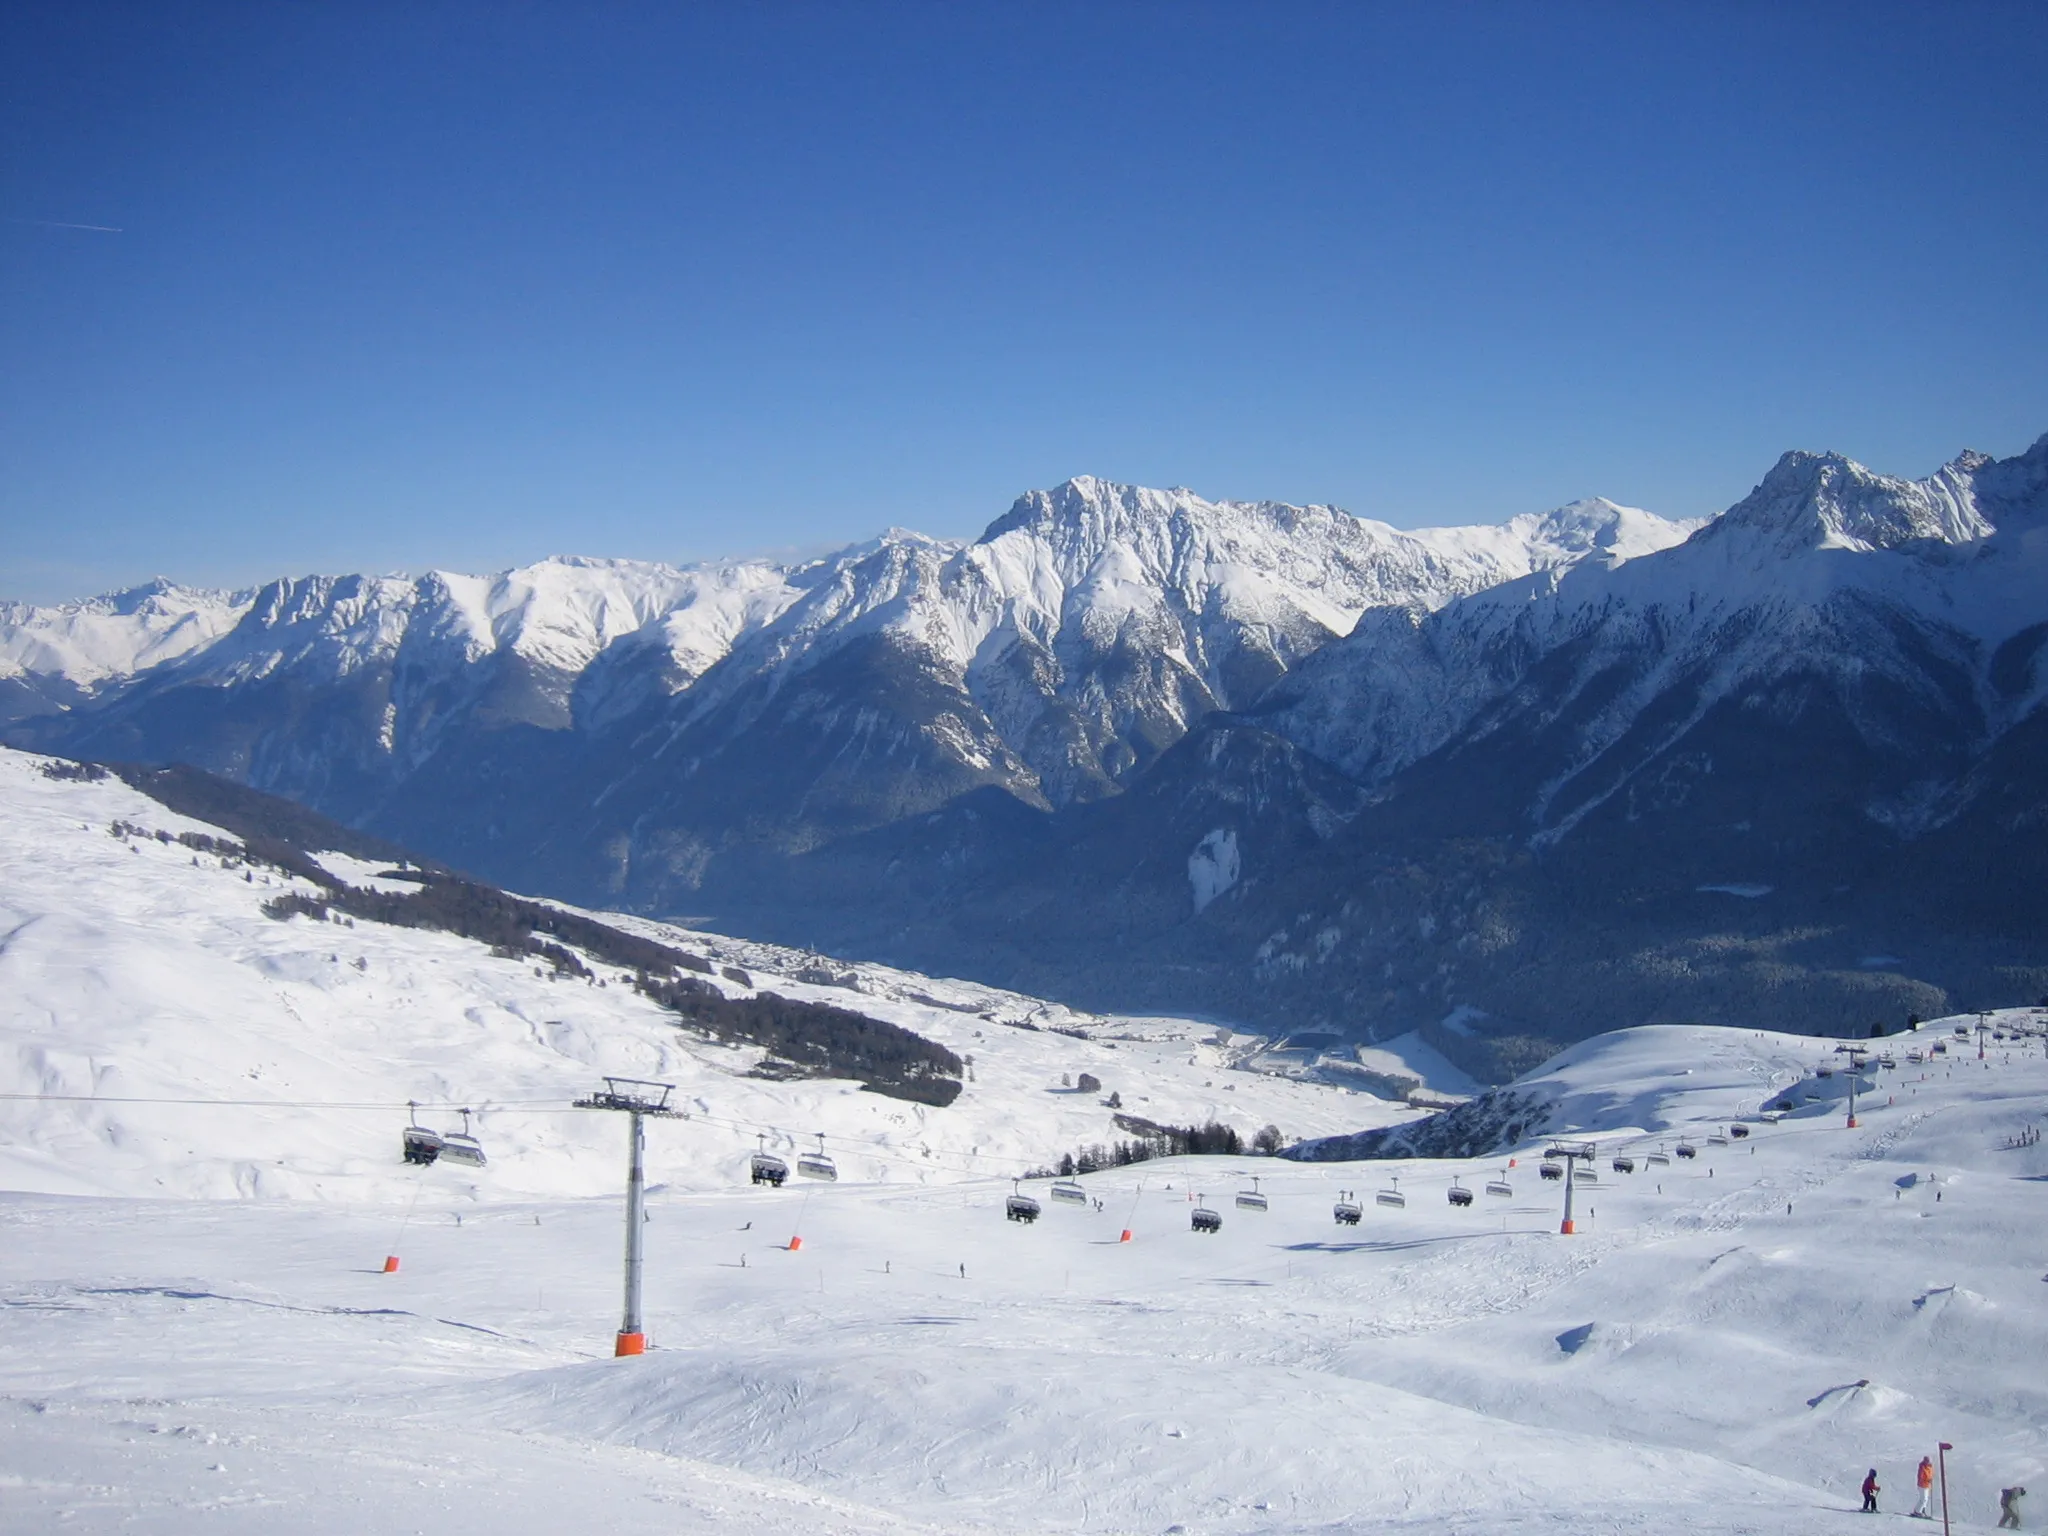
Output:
[[1925, 1478]]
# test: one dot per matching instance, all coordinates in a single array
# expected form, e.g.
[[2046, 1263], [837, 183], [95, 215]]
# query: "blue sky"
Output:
[[406, 285]]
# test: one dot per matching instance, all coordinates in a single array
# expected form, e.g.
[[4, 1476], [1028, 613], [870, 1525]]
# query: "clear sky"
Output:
[[394, 286]]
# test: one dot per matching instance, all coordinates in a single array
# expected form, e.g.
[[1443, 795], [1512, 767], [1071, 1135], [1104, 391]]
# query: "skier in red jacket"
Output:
[[1870, 1492]]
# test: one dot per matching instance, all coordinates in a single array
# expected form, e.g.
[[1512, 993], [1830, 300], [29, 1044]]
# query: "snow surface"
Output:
[[109, 638], [197, 1336]]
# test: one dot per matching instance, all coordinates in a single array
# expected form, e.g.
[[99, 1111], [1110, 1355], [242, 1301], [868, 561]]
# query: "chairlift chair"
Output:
[[1823, 1071], [1658, 1159], [1550, 1170], [1624, 1164], [1585, 1176], [1251, 1199], [461, 1147], [816, 1165], [1020, 1206], [1716, 1139], [1202, 1219], [1500, 1188], [1687, 1150], [418, 1144], [1347, 1211], [1391, 1196], [1458, 1195], [1739, 1132], [766, 1168]]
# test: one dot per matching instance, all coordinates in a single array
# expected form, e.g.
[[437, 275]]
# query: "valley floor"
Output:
[[1724, 1347]]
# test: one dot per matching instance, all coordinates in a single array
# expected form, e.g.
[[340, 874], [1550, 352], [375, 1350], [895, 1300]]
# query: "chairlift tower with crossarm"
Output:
[[1573, 1153], [640, 1100]]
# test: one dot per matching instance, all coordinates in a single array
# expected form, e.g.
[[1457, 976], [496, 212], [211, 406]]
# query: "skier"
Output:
[[1925, 1478], [2009, 1508], [1870, 1492]]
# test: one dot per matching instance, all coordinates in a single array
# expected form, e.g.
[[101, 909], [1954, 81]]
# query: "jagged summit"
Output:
[[1828, 501]]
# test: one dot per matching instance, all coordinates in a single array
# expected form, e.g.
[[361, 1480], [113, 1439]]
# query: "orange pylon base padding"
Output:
[[795, 1243], [391, 1264], [1852, 1122], [631, 1344], [1126, 1237], [1569, 1229]]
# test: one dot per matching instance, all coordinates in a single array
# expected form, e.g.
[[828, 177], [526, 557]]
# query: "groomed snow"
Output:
[[1724, 1347]]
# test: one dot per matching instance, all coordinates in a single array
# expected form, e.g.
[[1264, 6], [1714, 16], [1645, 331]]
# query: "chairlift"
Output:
[[1716, 1139], [461, 1147], [1067, 1192], [1202, 1219], [1458, 1194], [816, 1165], [1500, 1188], [1941, 1047], [1739, 1132], [1391, 1196], [1658, 1158], [1550, 1170], [419, 1144], [765, 1167], [1585, 1176], [1687, 1150], [1020, 1206], [1916, 1057], [1347, 1211], [1890, 1065], [1823, 1071], [1624, 1164], [1251, 1199]]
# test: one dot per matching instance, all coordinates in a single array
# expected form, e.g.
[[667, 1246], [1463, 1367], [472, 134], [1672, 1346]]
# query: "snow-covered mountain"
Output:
[[1898, 600], [54, 657], [1135, 747], [1080, 636]]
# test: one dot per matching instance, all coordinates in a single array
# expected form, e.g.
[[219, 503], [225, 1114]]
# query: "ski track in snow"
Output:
[[195, 1335]]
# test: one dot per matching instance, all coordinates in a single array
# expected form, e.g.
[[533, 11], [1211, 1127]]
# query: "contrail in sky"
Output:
[[101, 229]]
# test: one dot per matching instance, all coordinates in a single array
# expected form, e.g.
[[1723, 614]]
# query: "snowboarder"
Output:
[[1925, 1478], [1870, 1492], [2009, 1508]]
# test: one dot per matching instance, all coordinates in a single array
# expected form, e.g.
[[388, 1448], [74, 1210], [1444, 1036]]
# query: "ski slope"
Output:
[[1723, 1347], [134, 970]]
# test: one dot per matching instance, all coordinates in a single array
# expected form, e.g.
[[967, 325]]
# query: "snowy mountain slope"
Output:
[[1894, 596], [53, 657], [1054, 657], [136, 971], [1723, 1347]]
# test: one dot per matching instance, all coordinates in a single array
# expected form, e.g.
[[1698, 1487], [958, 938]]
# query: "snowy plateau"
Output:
[[200, 1117]]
